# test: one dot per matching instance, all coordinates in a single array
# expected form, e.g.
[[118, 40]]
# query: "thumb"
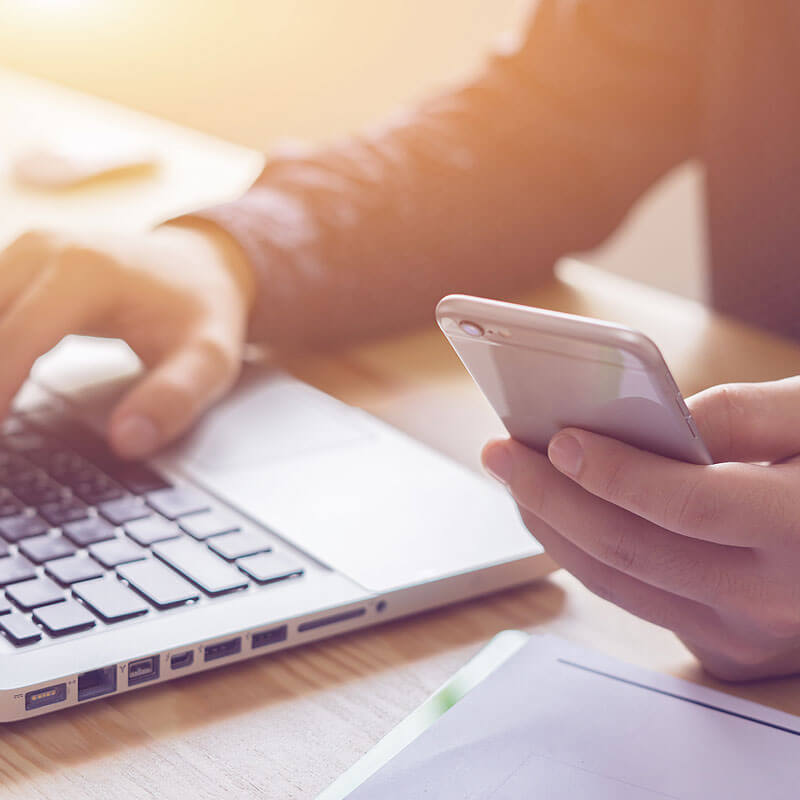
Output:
[[172, 396], [750, 421]]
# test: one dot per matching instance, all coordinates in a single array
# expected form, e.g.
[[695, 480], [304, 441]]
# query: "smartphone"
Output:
[[543, 371]]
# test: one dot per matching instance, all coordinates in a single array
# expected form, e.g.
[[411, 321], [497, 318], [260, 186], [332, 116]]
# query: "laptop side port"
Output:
[[97, 682], [45, 697], [331, 619], [143, 670], [182, 660], [272, 636], [227, 648]]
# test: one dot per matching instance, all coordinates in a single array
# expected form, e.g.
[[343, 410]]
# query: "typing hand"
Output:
[[179, 296], [711, 552]]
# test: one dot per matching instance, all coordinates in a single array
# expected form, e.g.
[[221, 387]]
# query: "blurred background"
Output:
[[256, 71]]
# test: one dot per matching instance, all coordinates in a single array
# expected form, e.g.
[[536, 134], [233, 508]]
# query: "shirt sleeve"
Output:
[[481, 189]]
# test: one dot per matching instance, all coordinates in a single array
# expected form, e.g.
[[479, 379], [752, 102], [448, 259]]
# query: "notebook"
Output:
[[541, 717]]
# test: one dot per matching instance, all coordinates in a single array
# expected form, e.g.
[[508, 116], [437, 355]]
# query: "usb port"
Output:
[[272, 636], [227, 648], [143, 670], [97, 682], [45, 697], [182, 660]]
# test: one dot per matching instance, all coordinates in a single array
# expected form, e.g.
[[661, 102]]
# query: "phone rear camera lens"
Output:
[[471, 328]]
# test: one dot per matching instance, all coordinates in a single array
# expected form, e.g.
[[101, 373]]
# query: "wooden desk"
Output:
[[284, 726]]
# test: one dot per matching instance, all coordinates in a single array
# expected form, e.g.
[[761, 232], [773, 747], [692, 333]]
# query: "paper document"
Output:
[[556, 721]]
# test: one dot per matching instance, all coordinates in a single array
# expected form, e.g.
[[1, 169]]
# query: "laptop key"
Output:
[[32, 594], [14, 529], [46, 548], [138, 478], [66, 509], [4, 551], [151, 529], [109, 599], [39, 491], [98, 490], [199, 565], [11, 425], [209, 523], [114, 552], [73, 569], [9, 505], [25, 441], [63, 618], [270, 567], [124, 509], [177, 501], [243, 543], [158, 583], [88, 531], [19, 629], [14, 569]]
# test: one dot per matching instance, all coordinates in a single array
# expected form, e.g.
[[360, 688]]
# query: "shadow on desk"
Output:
[[354, 664]]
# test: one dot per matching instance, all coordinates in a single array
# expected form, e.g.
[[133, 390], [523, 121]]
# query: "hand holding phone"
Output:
[[543, 371]]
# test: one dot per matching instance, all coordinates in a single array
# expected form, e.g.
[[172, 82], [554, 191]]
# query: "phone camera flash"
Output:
[[471, 328]]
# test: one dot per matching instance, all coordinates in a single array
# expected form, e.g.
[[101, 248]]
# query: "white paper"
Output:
[[557, 721]]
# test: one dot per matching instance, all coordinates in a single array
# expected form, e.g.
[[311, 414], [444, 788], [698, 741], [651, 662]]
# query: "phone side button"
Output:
[[692, 428], [682, 406]]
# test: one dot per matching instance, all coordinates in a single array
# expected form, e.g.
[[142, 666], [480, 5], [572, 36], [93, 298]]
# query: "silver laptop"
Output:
[[285, 517]]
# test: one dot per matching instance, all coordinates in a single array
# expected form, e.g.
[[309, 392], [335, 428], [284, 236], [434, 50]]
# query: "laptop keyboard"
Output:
[[87, 539]]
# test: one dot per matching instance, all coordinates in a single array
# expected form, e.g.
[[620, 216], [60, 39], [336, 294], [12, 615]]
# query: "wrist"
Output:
[[224, 249]]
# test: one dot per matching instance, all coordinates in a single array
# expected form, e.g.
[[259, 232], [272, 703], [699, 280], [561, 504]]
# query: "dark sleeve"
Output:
[[479, 190]]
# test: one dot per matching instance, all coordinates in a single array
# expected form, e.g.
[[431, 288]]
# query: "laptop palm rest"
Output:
[[354, 493], [350, 491]]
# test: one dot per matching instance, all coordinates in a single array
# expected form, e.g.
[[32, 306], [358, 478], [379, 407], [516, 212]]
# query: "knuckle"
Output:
[[615, 480], [80, 260], [693, 505], [620, 553], [727, 400], [175, 398], [219, 356], [34, 239]]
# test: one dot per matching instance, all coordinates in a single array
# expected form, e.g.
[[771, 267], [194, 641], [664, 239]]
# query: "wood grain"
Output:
[[284, 726]]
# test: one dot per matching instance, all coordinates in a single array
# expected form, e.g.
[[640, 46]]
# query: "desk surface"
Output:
[[284, 726]]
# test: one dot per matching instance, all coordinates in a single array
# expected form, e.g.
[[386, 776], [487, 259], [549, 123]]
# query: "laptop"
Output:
[[284, 517]]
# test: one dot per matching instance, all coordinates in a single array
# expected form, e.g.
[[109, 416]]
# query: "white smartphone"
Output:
[[543, 371]]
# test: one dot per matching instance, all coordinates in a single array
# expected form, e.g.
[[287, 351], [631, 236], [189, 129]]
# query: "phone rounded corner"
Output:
[[448, 306], [639, 345]]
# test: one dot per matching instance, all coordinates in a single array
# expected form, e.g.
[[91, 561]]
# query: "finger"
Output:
[[21, 262], [686, 617], [687, 567], [750, 421], [743, 505], [172, 396], [47, 310], [725, 652]]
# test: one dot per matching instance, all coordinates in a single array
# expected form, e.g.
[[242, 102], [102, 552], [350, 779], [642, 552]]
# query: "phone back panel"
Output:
[[543, 371]]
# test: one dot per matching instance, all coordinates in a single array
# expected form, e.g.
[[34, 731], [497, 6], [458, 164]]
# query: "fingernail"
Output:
[[497, 460], [566, 454], [135, 436]]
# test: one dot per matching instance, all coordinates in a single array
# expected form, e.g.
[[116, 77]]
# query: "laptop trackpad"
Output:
[[358, 496], [265, 419]]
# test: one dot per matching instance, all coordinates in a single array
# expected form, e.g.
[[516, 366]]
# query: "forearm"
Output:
[[479, 191]]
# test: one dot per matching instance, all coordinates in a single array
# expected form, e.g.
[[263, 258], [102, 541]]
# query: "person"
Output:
[[479, 191]]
